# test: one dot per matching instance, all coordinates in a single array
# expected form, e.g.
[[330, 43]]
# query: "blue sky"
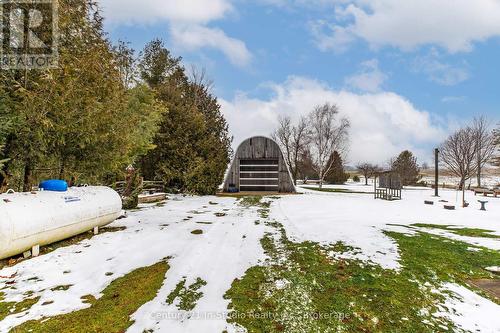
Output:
[[406, 73]]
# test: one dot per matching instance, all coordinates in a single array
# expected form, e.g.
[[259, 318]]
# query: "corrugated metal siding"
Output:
[[262, 168]]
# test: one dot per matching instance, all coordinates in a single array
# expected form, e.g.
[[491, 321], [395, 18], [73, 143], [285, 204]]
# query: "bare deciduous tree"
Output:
[[328, 134], [293, 141], [199, 77], [126, 63], [368, 170], [300, 141], [484, 140], [459, 155], [496, 134], [283, 136]]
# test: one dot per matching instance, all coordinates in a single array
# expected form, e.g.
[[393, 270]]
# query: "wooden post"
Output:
[[35, 250], [128, 181], [436, 172]]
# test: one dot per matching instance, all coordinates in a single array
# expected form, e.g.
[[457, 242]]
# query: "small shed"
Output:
[[259, 166]]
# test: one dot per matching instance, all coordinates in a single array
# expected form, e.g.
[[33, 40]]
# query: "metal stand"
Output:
[[483, 204]]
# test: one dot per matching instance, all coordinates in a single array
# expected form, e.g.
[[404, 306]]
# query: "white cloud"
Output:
[[370, 78], [330, 37], [187, 20], [442, 73], [383, 124], [193, 37], [151, 11], [452, 24]]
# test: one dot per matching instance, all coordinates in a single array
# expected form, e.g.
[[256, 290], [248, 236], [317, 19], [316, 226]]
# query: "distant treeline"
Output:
[[104, 108]]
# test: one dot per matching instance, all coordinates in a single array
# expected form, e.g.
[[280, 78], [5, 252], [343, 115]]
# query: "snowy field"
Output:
[[489, 181], [358, 219], [230, 244]]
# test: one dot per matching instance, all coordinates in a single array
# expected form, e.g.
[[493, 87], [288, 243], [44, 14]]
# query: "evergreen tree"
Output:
[[146, 112], [79, 121], [5, 125], [407, 167], [25, 141], [126, 63], [87, 129], [192, 145], [337, 174], [215, 143], [306, 166]]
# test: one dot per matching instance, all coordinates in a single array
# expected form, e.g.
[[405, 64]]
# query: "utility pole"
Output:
[[436, 174]]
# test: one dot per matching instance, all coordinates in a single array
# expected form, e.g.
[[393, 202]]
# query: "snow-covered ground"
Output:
[[222, 253], [231, 244], [359, 220], [489, 180]]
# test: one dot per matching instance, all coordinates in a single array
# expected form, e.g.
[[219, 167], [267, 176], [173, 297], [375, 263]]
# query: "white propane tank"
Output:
[[45, 217]]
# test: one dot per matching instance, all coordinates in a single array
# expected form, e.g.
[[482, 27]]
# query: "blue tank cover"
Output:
[[54, 185]]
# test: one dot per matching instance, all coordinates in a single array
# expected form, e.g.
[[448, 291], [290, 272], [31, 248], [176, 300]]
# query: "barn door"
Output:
[[259, 175]]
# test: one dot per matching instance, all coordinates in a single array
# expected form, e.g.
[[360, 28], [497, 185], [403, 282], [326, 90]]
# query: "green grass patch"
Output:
[[249, 201], [10, 308], [111, 313], [187, 296], [438, 259], [336, 190], [62, 288], [470, 232], [88, 299], [303, 289], [176, 292], [256, 201], [307, 287]]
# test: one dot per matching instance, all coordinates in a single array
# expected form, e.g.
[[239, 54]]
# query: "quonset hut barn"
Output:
[[259, 166]]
